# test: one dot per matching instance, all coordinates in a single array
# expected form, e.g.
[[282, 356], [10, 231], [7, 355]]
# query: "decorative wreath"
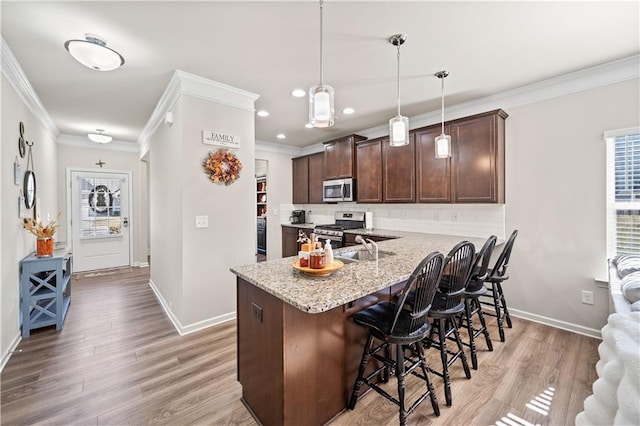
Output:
[[222, 166]]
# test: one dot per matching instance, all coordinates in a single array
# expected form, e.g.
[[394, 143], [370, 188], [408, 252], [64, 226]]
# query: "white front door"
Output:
[[99, 219]]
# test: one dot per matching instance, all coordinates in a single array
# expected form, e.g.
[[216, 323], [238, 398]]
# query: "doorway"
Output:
[[99, 227], [261, 209]]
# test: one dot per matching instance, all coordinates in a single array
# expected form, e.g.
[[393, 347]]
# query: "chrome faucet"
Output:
[[373, 250]]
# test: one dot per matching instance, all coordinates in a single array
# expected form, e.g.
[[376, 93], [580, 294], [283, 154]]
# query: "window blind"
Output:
[[623, 194]]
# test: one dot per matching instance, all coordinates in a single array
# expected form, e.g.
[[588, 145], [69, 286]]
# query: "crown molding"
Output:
[[84, 142], [15, 75], [566, 84], [184, 83], [278, 148]]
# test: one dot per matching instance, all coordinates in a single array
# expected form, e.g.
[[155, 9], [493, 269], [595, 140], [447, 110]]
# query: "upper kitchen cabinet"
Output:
[[369, 171], [340, 158], [308, 174], [433, 178], [477, 160], [399, 172], [300, 167]]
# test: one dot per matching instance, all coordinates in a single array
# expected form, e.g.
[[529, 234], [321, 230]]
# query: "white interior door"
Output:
[[100, 220]]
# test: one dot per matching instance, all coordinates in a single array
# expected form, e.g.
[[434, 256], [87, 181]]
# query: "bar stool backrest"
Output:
[[481, 266], [423, 284], [457, 267], [500, 268]]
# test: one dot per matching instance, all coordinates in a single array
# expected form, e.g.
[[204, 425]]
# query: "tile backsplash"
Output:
[[472, 220]]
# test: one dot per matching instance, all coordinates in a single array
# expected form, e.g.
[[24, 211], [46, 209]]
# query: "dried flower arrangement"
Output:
[[222, 166], [40, 230]]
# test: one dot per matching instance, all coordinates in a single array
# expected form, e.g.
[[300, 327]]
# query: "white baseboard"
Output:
[[575, 328], [12, 348], [140, 264], [189, 328]]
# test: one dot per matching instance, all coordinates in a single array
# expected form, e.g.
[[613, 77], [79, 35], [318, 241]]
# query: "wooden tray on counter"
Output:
[[327, 270]]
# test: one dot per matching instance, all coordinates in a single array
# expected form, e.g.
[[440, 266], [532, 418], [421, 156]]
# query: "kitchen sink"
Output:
[[355, 256]]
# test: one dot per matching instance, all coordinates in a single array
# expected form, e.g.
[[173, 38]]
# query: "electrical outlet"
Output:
[[256, 311], [587, 297], [202, 221]]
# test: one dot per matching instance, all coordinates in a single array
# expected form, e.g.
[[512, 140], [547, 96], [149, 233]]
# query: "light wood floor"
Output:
[[118, 361]]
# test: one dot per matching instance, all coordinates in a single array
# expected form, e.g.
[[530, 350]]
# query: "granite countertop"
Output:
[[315, 294]]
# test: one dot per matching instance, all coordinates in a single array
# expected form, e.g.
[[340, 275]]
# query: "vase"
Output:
[[44, 247]]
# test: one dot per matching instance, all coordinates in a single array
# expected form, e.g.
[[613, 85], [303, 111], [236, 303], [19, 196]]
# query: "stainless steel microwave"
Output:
[[338, 190]]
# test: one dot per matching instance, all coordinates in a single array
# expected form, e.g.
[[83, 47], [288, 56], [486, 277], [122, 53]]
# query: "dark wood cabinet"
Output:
[[340, 157], [300, 168], [369, 171], [316, 176], [433, 175], [399, 172], [308, 174], [289, 241], [478, 158]]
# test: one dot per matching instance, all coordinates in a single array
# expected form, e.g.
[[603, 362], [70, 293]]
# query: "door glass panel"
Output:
[[100, 207]]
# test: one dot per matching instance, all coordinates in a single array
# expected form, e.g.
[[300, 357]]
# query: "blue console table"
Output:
[[45, 290]]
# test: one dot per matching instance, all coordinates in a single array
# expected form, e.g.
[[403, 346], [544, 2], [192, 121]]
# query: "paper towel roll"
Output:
[[368, 220]]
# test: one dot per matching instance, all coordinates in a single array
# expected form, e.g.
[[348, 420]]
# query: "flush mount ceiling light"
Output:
[[398, 125], [100, 137], [443, 142], [92, 52], [281, 136], [298, 93], [262, 113], [321, 111], [348, 111]]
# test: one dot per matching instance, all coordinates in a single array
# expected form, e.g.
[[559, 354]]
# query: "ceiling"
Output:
[[271, 48]]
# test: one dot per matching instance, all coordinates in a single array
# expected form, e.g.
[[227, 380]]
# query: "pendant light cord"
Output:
[[321, 71], [398, 78], [442, 104]]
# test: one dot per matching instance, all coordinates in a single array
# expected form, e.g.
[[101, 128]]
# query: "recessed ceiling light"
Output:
[[348, 111], [263, 113], [309, 126], [299, 93], [281, 136], [99, 137]]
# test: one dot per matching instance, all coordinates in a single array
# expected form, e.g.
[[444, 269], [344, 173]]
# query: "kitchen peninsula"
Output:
[[298, 352]]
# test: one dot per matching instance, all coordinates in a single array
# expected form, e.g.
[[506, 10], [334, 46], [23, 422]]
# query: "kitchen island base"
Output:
[[296, 368]]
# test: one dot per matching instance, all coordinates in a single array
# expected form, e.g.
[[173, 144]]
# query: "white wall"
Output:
[[165, 211], [279, 192], [189, 266], [556, 195], [17, 243], [85, 158]]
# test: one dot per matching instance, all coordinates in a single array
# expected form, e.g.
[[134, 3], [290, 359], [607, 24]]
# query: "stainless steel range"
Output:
[[335, 232]]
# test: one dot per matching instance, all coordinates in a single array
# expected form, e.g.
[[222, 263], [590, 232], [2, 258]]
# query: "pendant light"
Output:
[[92, 52], [321, 111], [443, 142], [398, 125]]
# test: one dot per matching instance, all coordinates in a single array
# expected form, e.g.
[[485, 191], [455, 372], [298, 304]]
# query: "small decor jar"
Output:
[[316, 259], [44, 247]]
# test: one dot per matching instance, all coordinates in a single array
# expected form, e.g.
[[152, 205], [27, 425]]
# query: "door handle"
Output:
[[125, 222]]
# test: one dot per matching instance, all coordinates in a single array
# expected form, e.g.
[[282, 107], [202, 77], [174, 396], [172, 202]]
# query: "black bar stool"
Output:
[[403, 324], [473, 290], [497, 276], [447, 306]]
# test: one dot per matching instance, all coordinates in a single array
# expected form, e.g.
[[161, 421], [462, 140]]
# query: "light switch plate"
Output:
[[202, 221]]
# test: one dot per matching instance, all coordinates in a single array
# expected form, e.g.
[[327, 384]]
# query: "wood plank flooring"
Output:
[[119, 361]]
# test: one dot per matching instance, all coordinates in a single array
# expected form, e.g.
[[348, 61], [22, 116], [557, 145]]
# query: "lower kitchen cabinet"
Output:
[[289, 241]]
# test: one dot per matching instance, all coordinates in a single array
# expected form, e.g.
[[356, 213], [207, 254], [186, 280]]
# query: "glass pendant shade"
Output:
[[321, 110], [93, 53], [399, 131], [443, 146]]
